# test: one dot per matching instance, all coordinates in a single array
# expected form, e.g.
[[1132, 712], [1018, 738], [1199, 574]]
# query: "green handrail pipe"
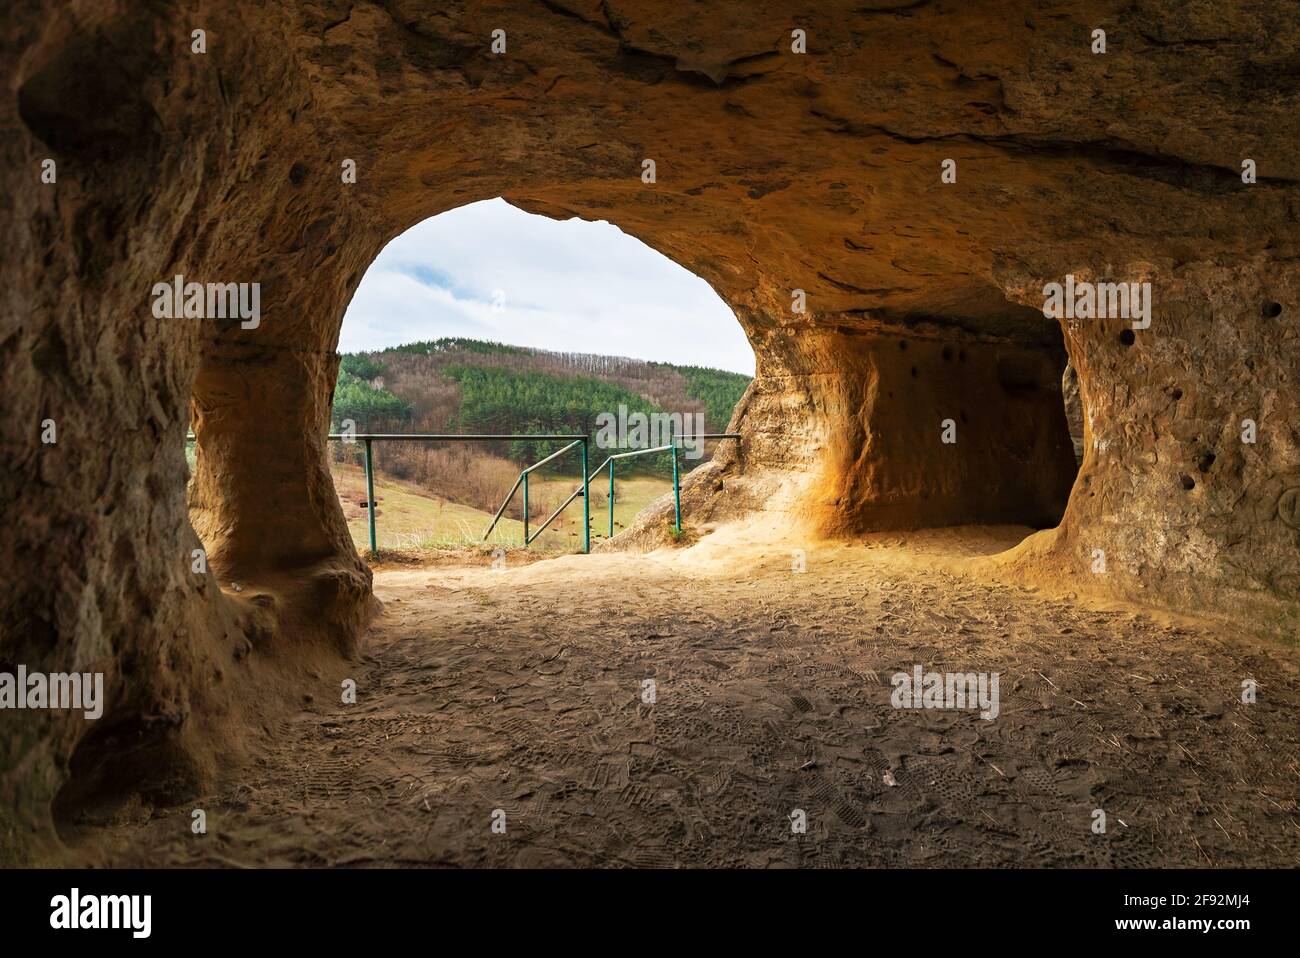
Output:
[[580, 441], [370, 495], [677, 486], [573, 440], [586, 502], [369, 438]]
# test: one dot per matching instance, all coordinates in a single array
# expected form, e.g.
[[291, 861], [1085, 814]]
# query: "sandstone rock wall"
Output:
[[775, 172]]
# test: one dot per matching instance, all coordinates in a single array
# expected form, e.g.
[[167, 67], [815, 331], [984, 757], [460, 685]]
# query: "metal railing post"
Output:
[[370, 497], [584, 490], [677, 490], [586, 501]]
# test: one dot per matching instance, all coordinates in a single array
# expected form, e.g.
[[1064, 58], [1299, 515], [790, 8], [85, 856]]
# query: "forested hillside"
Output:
[[467, 385], [472, 386]]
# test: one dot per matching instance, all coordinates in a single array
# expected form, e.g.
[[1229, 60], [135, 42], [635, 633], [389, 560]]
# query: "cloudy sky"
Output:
[[491, 271]]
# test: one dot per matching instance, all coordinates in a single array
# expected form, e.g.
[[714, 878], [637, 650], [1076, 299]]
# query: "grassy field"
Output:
[[409, 517]]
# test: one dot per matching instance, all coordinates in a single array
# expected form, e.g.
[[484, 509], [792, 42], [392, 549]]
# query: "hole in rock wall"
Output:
[[487, 319]]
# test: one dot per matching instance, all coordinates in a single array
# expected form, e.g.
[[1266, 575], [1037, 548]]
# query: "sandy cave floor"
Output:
[[521, 689]]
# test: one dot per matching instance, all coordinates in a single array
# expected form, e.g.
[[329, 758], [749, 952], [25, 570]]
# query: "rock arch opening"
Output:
[[289, 159], [487, 319]]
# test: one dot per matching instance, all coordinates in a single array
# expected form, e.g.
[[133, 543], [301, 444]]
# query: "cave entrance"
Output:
[[490, 320], [932, 426]]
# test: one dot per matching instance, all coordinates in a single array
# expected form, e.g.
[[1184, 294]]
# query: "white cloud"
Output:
[[567, 285]]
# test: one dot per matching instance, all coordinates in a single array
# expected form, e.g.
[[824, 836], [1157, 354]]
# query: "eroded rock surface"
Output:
[[775, 172]]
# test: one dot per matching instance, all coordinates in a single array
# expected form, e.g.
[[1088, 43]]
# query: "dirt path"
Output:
[[521, 691]]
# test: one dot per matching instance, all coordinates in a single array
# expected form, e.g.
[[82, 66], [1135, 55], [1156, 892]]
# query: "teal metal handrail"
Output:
[[523, 479], [677, 486], [584, 489], [369, 438], [677, 490]]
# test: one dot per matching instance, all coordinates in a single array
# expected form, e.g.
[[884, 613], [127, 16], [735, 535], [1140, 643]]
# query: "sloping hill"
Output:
[[467, 385], [473, 386]]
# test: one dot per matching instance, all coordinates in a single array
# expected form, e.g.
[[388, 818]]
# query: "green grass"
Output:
[[408, 517], [631, 496]]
